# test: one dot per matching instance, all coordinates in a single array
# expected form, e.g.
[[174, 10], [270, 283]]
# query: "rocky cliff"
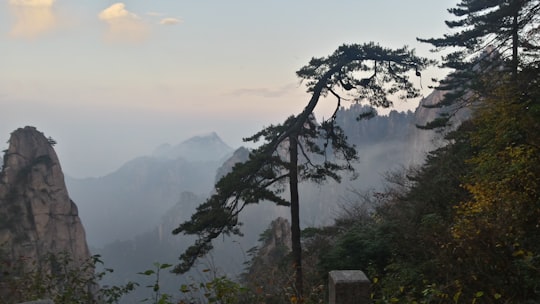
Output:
[[276, 241], [423, 141], [37, 217]]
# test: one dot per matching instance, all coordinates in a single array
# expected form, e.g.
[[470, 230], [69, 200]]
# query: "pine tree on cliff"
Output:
[[300, 149]]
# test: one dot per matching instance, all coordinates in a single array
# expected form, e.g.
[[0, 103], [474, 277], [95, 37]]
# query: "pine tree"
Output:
[[265, 175], [489, 35]]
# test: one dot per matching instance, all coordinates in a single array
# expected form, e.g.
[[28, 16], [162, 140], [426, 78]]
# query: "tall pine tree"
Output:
[[299, 149]]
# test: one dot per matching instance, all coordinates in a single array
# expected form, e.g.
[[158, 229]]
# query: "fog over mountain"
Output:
[[132, 199], [130, 213], [208, 147]]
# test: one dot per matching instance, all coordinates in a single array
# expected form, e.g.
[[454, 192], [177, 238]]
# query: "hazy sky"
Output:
[[110, 81]]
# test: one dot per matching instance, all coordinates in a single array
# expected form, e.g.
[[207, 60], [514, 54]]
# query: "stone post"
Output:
[[348, 287]]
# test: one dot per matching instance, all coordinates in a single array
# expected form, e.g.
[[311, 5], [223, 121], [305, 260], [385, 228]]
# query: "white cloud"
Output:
[[32, 17], [169, 21], [32, 3], [123, 24], [116, 11]]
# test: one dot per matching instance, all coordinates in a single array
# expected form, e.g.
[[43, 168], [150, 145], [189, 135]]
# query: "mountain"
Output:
[[37, 215], [198, 148], [132, 211], [240, 155], [132, 199], [381, 143]]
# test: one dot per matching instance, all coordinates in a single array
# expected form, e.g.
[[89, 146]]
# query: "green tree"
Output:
[[497, 228], [488, 34], [464, 227], [300, 149]]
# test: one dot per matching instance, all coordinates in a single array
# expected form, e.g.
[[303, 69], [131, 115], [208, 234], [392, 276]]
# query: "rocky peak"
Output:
[[277, 241], [424, 141], [29, 148], [37, 217], [240, 155], [207, 147]]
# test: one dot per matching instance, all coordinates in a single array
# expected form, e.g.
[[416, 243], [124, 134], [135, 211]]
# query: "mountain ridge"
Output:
[[132, 199], [206, 147]]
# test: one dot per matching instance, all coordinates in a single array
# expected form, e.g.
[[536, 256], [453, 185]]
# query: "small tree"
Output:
[[300, 149]]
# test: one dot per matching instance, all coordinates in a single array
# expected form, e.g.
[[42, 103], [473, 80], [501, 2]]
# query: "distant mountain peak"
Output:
[[205, 147], [209, 137], [212, 134]]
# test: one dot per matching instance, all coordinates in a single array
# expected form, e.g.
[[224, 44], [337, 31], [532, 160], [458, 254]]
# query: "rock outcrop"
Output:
[[425, 141], [240, 155], [37, 217], [277, 241]]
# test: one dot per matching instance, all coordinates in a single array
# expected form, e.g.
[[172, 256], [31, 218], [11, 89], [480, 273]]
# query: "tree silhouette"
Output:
[[494, 35], [300, 149]]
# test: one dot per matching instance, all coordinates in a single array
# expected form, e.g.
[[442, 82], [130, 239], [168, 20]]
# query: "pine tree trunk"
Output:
[[518, 5], [515, 43], [295, 214]]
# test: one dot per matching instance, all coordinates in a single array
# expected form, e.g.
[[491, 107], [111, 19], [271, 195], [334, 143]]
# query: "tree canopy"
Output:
[[487, 35], [464, 228]]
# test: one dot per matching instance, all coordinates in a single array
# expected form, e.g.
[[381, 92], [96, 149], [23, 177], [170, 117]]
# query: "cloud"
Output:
[[123, 25], [169, 21], [116, 11], [32, 17], [32, 3]]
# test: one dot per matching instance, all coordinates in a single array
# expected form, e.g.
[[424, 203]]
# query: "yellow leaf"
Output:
[[518, 253], [456, 296]]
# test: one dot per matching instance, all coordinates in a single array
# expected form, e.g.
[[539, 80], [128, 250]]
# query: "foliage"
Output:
[[157, 296], [270, 278], [51, 141], [64, 282], [501, 218], [218, 290], [501, 24], [487, 37], [463, 228], [24, 280]]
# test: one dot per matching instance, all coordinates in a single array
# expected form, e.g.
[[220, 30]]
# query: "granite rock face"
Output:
[[277, 242], [424, 141], [37, 217]]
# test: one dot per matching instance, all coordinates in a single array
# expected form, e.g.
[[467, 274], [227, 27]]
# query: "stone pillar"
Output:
[[348, 287]]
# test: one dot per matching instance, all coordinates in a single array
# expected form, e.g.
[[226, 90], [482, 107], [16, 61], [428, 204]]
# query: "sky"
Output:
[[111, 81]]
